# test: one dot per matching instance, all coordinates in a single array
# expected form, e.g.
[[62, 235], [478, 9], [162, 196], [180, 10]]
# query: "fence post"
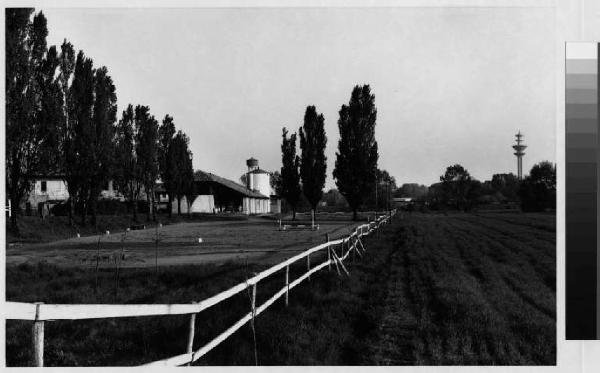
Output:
[[287, 285], [253, 303], [308, 264], [190, 345], [38, 338], [328, 251]]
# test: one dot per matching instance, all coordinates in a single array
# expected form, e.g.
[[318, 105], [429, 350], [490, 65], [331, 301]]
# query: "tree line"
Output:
[[61, 117], [460, 191], [355, 172]]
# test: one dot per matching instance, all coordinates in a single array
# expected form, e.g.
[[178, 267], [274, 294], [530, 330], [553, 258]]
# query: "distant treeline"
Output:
[[61, 119], [457, 189]]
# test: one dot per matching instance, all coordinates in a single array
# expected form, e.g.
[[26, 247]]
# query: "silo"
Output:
[[261, 182]]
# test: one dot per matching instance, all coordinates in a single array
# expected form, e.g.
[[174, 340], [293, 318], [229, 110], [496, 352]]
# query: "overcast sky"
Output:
[[452, 85]]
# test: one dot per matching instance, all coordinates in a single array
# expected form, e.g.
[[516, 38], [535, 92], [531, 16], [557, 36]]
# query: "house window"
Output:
[[44, 186]]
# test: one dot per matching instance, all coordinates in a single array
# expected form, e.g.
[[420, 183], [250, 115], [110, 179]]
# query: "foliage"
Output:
[[459, 189], [383, 186], [412, 190], [313, 162], [67, 150], [146, 149], [127, 172], [275, 182], [290, 174], [357, 155], [183, 175], [165, 164], [101, 149], [506, 184], [538, 190], [33, 102]]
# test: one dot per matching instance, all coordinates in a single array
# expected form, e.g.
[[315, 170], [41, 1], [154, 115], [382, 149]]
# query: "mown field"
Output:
[[432, 289]]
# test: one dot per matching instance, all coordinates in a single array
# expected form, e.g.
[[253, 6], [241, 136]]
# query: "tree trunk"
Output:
[[354, 216], [153, 207], [70, 206], [170, 206], [313, 218], [149, 213], [178, 206], [83, 211], [294, 213], [93, 201], [134, 201]]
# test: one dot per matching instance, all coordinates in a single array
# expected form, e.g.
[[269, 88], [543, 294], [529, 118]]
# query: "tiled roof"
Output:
[[200, 176]]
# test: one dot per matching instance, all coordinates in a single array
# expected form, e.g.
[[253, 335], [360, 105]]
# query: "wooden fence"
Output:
[[40, 312]]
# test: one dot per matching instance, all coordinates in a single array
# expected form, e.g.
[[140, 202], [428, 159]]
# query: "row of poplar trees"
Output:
[[61, 117], [356, 159]]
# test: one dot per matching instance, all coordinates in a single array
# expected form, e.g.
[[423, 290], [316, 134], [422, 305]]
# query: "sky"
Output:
[[451, 85]]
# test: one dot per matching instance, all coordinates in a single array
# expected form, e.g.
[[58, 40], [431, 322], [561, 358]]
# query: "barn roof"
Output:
[[201, 176]]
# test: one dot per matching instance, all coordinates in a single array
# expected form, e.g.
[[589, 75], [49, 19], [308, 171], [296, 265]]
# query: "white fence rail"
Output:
[[40, 312]]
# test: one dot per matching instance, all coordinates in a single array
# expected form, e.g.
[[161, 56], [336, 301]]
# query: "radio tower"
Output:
[[519, 153]]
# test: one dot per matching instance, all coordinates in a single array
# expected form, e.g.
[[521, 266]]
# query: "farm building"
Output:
[[51, 189], [217, 194]]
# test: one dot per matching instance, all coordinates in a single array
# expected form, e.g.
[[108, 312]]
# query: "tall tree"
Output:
[[50, 114], [356, 159], [538, 190], [127, 176], [146, 143], [78, 157], [290, 174], [313, 162], [458, 186], [166, 133], [29, 101], [101, 151], [183, 175], [67, 65]]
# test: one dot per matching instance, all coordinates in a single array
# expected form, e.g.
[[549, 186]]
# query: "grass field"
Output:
[[431, 289]]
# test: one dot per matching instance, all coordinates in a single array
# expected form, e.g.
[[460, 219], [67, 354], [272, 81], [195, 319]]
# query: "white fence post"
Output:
[[38, 338], [253, 303], [328, 252], [308, 265], [192, 330], [287, 285]]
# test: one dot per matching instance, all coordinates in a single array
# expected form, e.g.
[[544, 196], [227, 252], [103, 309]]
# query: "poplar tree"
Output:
[[79, 158], [290, 174], [127, 175], [31, 97], [166, 134], [67, 65], [356, 159], [313, 162], [183, 171], [102, 134], [146, 145]]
